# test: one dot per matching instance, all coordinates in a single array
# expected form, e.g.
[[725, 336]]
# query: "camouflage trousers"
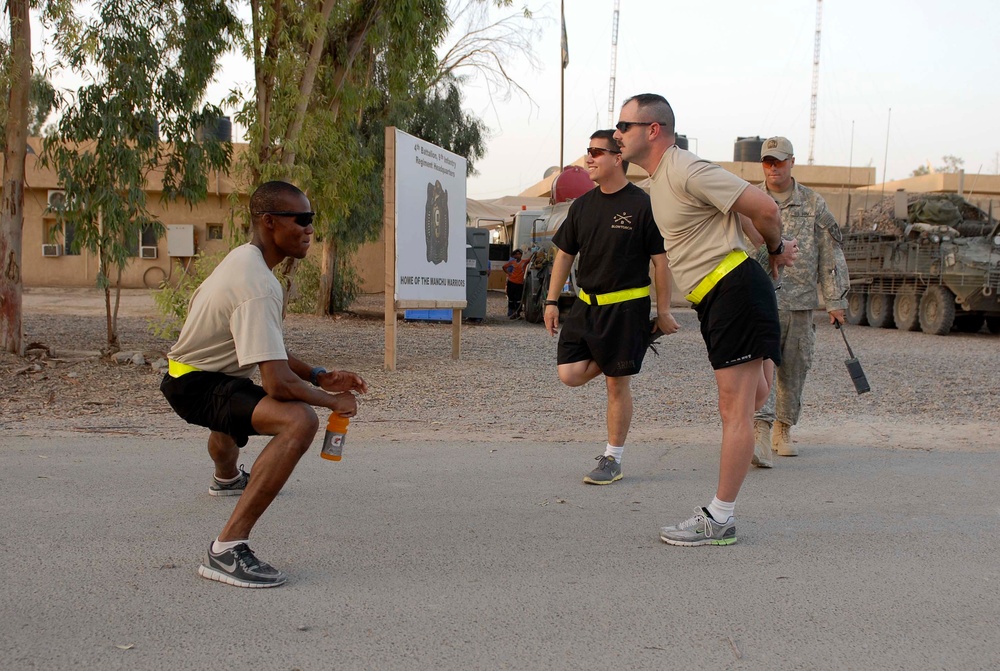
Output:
[[798, 342]]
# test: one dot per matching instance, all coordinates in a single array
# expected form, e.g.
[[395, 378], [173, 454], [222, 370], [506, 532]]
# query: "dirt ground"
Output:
[[928, 392]]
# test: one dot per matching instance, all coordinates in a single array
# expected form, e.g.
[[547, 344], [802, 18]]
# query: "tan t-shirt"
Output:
[[234, 318], [691, 204]]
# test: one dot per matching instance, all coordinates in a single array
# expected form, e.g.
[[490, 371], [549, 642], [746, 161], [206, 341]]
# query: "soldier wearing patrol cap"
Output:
[[820, 265]]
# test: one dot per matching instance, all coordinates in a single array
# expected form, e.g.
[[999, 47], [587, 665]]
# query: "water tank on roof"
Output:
[[681, 141], [571, 183], [221, 130], [747, 149]]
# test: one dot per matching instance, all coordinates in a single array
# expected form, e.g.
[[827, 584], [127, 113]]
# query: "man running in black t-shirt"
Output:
[[607, 330]]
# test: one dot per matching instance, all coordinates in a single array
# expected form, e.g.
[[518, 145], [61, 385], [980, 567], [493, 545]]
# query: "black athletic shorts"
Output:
[[739, 318], [615, 336], [216, 401]]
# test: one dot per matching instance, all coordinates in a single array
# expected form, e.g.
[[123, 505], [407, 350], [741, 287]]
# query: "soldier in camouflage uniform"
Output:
[[806, 218]]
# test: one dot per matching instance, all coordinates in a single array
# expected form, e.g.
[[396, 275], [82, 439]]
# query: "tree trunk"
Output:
[[12, 203], [114, 315], [327, 277], [263, 65], [306, 86], [355, 41], [107, 315]]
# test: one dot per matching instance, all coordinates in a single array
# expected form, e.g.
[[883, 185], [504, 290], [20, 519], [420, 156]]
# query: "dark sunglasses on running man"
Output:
[[303, 219]]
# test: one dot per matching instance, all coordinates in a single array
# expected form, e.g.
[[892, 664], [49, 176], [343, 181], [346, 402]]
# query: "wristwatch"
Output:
[[779, 250], [314, 375], [549, 302]]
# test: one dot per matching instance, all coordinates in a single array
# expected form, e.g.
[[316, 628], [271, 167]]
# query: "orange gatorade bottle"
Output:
[[336, 434]]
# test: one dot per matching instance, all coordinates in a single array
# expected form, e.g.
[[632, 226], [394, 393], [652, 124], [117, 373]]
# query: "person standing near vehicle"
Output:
[[608, 330], [515, 269], [821, 265], [233, 328], [697, 207]]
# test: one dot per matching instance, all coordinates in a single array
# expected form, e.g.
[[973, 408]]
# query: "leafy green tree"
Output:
[[149, 63], [952, 164], [41, 98], [328, 78]]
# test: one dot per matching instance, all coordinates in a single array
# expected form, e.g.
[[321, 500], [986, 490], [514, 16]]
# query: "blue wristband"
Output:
[[314, 375]]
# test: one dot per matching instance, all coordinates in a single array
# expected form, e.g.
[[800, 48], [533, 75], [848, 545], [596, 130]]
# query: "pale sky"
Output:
[[735, 68]]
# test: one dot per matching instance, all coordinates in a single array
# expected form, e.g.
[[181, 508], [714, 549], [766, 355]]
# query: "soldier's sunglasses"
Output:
[[600, 151], [623, 126], [303, 219]]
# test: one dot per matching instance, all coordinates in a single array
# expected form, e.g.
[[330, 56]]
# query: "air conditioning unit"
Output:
[[56, 199], [147, 252], [51, 250]]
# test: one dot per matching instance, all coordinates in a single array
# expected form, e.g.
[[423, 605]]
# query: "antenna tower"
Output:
[[614, 66], [815, 82]]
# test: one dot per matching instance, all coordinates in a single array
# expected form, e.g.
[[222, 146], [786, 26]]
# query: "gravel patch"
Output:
[[928, 392]]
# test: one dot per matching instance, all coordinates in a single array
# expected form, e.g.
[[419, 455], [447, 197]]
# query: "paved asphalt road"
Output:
[[494, 556]]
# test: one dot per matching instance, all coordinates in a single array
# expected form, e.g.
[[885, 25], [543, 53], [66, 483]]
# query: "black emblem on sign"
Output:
[[436, 223]]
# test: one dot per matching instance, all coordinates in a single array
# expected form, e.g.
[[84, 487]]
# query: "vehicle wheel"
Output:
[[937, 310], [906, 312], [855, 312], [879, 311], [967, 323], [993, 325], [532, 298]]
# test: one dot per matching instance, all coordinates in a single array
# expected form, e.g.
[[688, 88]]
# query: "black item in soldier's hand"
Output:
[[854, 366]]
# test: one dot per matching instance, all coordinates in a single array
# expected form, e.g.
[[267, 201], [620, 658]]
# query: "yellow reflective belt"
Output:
[[732, 260], [177, 369], [614, 296]]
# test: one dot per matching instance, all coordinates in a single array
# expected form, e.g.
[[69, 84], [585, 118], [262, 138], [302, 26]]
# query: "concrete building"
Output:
[[48, 258]]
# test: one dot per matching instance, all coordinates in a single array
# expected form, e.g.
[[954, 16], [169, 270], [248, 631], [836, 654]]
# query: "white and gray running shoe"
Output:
[[700, 530], [239, 567], [233, 488]]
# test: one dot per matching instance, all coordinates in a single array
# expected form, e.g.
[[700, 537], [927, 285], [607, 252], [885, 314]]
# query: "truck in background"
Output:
[[935, 270], [532, 230]]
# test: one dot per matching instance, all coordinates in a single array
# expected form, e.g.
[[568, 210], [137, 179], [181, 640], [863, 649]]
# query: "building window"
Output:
[[61, 234], [214, 231], [147, 237]]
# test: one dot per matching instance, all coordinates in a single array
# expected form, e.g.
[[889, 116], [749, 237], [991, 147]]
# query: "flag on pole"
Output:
[[565, 43]]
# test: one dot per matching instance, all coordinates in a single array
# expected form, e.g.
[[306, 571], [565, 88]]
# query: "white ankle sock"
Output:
[[616, 452], [227, 481], [221, 546], [721, 511]]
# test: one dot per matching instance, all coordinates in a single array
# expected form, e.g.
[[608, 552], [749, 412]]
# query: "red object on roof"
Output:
[[571, 183]]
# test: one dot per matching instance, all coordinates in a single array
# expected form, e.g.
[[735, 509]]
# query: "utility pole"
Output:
[[563, 62], [614, 66], [815, 82]]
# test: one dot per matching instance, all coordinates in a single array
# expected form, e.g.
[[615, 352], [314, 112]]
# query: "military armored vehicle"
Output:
[[926, 276]]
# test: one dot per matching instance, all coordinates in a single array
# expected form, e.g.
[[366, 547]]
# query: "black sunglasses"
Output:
[[303, 219], [623, 126], [600, 151]]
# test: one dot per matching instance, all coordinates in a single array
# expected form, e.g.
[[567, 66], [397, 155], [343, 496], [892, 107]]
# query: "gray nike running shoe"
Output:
[[233, 488], [241, 568], [700, 530], [608, 470]]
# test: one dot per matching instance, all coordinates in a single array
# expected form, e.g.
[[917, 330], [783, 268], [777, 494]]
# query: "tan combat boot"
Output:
[[761, 444], [781, 440]]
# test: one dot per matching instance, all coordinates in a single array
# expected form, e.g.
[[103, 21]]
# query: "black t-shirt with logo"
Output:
[[615, 235]]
